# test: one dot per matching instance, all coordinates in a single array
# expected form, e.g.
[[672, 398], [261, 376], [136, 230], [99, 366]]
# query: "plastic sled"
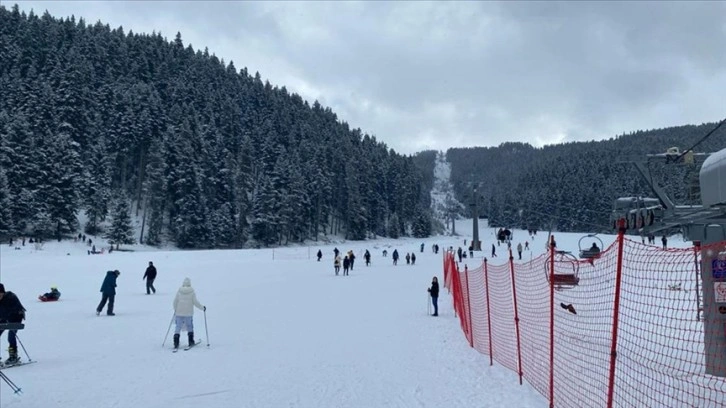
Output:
[[45, 299]]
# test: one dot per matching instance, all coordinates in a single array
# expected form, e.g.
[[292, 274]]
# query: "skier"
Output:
[[458, 252], [471, 251], [664, 240], [434, 292], [408, 259], [184, 303], [526, 245], [11, 311], [320, 255], [413, 258], [519, 250], [346, 265], [150, 275], [367, 257], [395, 256], [51, 296], [335, 250], [336, 264], [494, 251], [108, 290], [422, 247]]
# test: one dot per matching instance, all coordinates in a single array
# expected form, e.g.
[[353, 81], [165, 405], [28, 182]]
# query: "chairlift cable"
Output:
[[680, 156]]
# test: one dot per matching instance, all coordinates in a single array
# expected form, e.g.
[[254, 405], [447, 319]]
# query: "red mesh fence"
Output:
[[596, 338]]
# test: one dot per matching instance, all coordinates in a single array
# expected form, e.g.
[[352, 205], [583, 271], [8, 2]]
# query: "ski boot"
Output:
[[13, 358], [176, 341], [191, 339]]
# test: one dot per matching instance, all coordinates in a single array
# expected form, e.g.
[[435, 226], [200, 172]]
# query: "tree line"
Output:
[[107, 123]]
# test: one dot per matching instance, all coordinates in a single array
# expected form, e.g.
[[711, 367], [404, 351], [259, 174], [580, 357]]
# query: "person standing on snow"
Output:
[[367, 257], [351, 258], [184, 303], [336, 264], [108, 290], [150, 275], [434, 292], [320, 255], [346, 265], [11, 311], [519, 250]]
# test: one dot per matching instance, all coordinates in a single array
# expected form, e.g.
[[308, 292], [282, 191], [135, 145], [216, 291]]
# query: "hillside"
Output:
[[572, 186], [94, 119]]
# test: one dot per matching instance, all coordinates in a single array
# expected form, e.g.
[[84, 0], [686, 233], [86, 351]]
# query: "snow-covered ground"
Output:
[[281, 333]]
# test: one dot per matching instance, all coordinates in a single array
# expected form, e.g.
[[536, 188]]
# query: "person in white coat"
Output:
[[184, 303]]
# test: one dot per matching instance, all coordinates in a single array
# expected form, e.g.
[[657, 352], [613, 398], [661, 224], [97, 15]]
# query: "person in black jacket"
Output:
[[150, 275], [11, 311], [434, 292], [346, 266]]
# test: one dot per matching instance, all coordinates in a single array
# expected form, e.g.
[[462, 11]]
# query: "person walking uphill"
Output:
[[108, 291], [11, 311], [150, 275], [434, 292], [184, 303]]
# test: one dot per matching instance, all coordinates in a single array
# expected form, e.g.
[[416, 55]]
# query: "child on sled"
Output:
[[51, 296]]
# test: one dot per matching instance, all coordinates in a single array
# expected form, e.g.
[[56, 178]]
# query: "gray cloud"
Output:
[[433, 75]]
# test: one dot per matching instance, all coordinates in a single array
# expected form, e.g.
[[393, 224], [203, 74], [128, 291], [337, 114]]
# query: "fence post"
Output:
[[516, 317], [552, 320], [616, 311], [489, 315], [468, 307], [696, 251]]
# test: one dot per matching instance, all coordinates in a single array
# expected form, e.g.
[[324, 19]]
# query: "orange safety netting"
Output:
[[624, 329]]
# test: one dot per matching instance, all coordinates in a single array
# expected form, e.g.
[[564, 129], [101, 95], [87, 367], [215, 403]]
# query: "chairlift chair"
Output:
[[567, 268], [591, 252]]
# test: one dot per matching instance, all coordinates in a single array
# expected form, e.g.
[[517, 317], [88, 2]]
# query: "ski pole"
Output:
[[10, 383], [167, 330], [205, 326], [23, 346]]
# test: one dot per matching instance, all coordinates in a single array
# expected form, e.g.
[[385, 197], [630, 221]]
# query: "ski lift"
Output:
[[567, 268], [593, 251]]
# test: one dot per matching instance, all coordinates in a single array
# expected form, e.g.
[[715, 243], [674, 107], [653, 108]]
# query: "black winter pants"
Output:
[[150, 286], [110, 299]]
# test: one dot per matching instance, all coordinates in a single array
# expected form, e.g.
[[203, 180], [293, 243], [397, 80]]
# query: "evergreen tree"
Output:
[[121, 230], [6, 217], [421, 227]]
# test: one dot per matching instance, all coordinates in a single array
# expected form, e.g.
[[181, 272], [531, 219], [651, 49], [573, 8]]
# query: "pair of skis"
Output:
[[187, 347], [18, 364]]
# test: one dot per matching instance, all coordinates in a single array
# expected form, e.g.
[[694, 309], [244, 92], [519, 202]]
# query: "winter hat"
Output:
[[187, 282], [2, 288]]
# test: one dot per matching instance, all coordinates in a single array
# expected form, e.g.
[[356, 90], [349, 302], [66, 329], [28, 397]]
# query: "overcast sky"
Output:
[[421, 75]]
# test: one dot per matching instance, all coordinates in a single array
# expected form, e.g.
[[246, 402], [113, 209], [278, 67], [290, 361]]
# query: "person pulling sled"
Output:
[[184, 303]]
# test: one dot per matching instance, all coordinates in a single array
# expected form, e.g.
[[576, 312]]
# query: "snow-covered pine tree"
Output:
[[6, 217], [421, 227], [121, 231], [97, 186], [394, 227]]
